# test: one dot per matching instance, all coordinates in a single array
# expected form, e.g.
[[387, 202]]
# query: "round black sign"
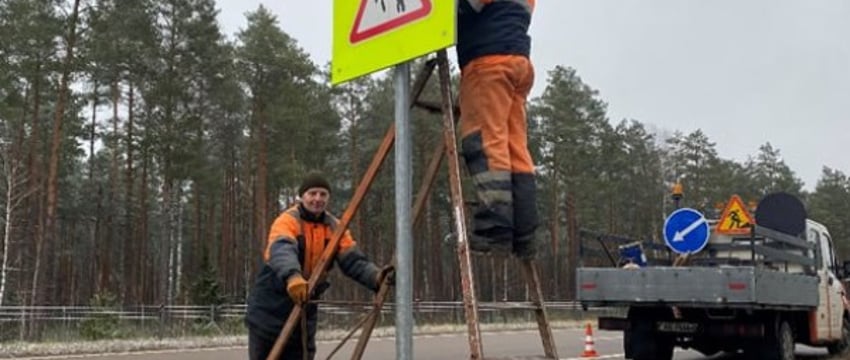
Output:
[[782, 212]]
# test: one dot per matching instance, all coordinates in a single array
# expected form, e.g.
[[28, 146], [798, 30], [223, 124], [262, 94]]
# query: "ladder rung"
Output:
[[433, 107], [521, 305]]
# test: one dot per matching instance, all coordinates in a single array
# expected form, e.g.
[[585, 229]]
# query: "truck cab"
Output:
[[828, 323]]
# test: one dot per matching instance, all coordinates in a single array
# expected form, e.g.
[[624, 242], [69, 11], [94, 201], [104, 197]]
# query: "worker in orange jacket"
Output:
[[295, 245], [493, 48]]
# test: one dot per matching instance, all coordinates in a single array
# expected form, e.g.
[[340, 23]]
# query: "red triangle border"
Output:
[[358, 36]]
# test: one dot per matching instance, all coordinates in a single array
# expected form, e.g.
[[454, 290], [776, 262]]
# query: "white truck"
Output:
[[759, 293]]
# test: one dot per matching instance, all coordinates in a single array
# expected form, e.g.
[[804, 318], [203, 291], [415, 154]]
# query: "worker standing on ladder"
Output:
[[493, 50], [295, 245]]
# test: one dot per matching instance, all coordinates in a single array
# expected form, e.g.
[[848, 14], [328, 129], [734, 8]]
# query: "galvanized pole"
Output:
[[404, 241]]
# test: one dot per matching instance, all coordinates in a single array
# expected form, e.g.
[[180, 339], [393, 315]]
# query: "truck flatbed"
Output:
[[730, 287]]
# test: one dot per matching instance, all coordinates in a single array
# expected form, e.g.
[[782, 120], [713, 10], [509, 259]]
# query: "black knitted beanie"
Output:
[[313, 180]]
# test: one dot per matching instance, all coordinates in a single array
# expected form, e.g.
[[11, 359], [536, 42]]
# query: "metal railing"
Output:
[[74, 323], [192, 312]]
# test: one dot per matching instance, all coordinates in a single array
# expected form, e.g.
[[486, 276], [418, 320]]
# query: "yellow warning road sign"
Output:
[[736, 220], [370, 35]]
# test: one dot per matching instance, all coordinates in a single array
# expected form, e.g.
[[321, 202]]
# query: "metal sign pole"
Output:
[[404, 242]]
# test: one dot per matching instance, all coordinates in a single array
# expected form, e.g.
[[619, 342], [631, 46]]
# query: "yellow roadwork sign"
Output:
[[370, 35], [736, 220]]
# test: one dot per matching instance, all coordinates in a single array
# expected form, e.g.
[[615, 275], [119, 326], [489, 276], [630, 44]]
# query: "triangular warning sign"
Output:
[[736, 220], [375, 17]]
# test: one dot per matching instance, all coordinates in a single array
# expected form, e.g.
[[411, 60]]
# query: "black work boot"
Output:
[[478, 244], [524, 247], [482, 245], [492, 230]]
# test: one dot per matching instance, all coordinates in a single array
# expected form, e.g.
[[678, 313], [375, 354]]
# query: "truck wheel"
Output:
[[665, 348], [707, 350], [781, 345], [842, 346], [627, 344], [642, 343], [785, 340]]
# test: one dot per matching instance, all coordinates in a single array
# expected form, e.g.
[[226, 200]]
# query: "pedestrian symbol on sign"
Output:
[[374, 17], [399, 5]]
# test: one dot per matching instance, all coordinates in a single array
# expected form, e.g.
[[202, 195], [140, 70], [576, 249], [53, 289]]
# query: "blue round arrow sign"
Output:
[[686, 231]]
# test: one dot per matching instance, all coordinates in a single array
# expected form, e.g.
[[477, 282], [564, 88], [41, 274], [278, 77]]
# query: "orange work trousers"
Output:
[[494, 132]]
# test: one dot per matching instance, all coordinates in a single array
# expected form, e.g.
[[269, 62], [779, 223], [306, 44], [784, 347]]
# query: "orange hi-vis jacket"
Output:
[[297, 240], [295, 244]]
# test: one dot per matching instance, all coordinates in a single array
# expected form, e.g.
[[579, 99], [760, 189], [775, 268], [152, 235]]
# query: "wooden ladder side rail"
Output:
[[470, 302], [532, 276], [320, 270]]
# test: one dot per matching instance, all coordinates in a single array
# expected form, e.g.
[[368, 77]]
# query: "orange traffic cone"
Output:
[[589, 351]]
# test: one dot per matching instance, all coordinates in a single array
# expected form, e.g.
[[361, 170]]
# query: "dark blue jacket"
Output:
[[493, 27]]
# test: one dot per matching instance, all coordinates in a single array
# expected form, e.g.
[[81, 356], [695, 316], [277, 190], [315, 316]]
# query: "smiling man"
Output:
[[295, 244]]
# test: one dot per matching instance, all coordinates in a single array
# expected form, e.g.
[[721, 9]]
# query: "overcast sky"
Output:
[[745, 72]]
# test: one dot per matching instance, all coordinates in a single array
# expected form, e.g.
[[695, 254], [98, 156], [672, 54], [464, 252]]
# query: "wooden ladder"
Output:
[[447, 149]]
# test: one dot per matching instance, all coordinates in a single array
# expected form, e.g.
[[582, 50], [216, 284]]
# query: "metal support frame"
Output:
[[447, 147]]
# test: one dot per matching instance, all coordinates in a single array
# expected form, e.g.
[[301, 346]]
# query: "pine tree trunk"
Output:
[[178, 268], [261, 195], [93, 129], [147, 270], [574, 245], [247, 216], [131, 250], [36, 201], [98, 256], [102, 246], [59, 115], [197, 228], [170, 238], [34, 166], [227, 224], [555, 230], [110, 205]]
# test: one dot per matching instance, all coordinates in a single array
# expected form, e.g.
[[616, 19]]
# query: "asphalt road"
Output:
[[501, 345]]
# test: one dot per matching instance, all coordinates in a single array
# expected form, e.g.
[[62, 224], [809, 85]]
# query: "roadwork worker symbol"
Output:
[[735, 219]]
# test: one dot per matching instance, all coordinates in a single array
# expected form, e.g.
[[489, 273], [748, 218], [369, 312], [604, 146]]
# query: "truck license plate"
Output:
[[677, 327]]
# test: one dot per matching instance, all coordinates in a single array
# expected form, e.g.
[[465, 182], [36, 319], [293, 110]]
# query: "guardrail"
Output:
[[75, 323], [190, 312]]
